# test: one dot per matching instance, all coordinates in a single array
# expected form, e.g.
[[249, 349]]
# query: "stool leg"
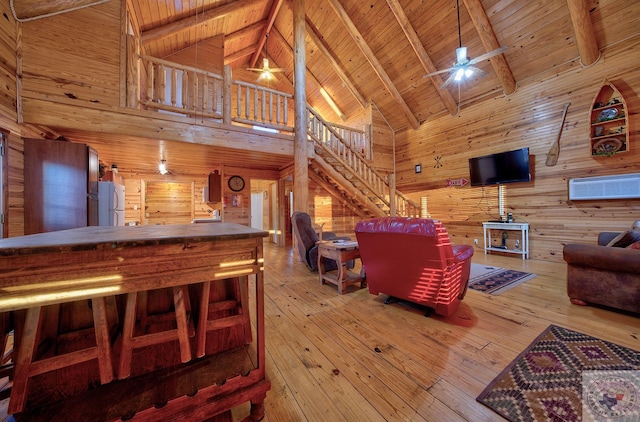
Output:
[[128, 325], [103, 342], [23, 360], [201, 333], [182, 324], [243, 298]]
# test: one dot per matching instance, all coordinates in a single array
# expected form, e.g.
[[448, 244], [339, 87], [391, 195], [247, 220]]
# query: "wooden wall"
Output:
[[531, 118], [88, 72]]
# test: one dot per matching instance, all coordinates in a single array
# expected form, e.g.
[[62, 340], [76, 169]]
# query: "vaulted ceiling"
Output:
[[379, 50]]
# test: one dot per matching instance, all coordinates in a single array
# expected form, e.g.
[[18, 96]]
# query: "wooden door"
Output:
[[55, 188]]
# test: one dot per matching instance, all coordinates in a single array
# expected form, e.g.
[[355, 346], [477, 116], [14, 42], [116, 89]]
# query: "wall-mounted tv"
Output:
[[499, 168]]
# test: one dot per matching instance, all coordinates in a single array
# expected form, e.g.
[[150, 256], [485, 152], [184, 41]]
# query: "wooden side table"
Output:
[[341, 252]]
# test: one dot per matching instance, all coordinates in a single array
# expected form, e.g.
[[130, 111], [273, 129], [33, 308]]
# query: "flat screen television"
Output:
[[499, 168]]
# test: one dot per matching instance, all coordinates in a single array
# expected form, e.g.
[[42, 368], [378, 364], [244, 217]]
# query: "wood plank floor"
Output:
[[350, 357]]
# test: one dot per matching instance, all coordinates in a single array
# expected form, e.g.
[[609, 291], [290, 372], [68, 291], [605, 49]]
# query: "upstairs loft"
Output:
[[102, 87], [81, 74]]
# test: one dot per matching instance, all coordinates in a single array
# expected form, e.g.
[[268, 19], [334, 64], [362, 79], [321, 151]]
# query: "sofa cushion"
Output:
[[634, 245], [624, 239]]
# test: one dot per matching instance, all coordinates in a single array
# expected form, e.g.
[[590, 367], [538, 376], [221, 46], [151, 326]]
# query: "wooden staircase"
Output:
[[341, 168]]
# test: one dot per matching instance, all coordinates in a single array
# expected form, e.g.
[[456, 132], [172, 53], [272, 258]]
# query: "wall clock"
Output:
[[236, 183]]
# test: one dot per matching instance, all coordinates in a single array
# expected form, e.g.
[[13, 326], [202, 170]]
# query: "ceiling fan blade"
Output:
[[448, 81], [488, 55], [438, 72], [478, 72], [256, 69]]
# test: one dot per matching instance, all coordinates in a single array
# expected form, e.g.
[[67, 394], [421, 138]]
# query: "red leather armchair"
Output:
[[412, 259]]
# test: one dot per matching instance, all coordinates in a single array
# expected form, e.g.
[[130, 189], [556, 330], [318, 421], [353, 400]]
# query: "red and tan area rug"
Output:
[[565, 375], [495, 280]]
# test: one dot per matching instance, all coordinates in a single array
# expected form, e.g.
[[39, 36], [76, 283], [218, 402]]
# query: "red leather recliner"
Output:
[[412, 259]]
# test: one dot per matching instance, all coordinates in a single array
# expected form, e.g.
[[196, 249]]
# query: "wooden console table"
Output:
[[104, 264], [341, 252]]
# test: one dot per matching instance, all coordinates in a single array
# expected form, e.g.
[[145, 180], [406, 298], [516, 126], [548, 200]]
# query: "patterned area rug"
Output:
[[546, 382], [495, 280]]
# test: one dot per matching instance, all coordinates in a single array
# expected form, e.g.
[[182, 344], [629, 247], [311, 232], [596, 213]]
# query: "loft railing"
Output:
[[183, 90]]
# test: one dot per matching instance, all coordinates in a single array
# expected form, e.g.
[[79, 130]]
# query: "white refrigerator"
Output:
[[110, 204]]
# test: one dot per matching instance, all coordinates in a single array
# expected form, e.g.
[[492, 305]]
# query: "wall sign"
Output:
[[457, 182]]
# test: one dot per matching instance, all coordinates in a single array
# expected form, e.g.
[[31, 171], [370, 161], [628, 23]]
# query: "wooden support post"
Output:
[[301, 167], [392, 195]]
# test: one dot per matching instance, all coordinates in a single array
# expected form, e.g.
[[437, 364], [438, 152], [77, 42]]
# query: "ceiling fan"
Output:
[[464, 66], [266, 72]]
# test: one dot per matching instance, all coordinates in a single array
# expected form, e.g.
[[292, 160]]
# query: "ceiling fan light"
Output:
[[459, 75], [162, 167], [266, 76], [461, 55], [468, 72]]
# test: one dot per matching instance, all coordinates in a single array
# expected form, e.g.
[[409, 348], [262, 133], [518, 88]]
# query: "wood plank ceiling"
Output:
[[379, 50]]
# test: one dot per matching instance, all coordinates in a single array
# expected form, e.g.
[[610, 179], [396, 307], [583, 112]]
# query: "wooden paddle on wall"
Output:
[[554, 151]]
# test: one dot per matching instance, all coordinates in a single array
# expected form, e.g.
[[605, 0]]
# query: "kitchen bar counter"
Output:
[[102, 263]]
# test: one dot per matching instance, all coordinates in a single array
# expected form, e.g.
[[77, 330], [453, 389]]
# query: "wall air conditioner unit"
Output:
[[620, 186]]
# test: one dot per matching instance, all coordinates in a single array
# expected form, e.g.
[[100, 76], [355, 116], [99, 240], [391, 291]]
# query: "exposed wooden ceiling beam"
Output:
[[289, 49], [312, 32], [490, 43], [232, 58], [275, 7], [26, 10], [424, 58], [374, 62], [246, 31], [583, 28], [190, 22]]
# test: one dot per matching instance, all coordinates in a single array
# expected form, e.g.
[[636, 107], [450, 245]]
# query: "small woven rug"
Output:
[[547, 382], [495, 280]]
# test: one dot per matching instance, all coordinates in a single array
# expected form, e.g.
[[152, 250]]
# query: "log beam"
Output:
[[189, 22], [278, 36], [273, 12], [424, 58], [374, 62], [583, 28], [312, 31], [490, 43]]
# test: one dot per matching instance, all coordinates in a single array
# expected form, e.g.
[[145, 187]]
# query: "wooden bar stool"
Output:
[[136, 310], [27, 365], [220, 310]]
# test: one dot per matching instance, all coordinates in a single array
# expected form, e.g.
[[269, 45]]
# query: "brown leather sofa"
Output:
[[412, 259], [603, 275]]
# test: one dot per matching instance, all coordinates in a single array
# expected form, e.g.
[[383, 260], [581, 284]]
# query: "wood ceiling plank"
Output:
[[424, 58], [26, 10], [490, 43], [189, 22], [369, 54], [312, 32], [273, 12]]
